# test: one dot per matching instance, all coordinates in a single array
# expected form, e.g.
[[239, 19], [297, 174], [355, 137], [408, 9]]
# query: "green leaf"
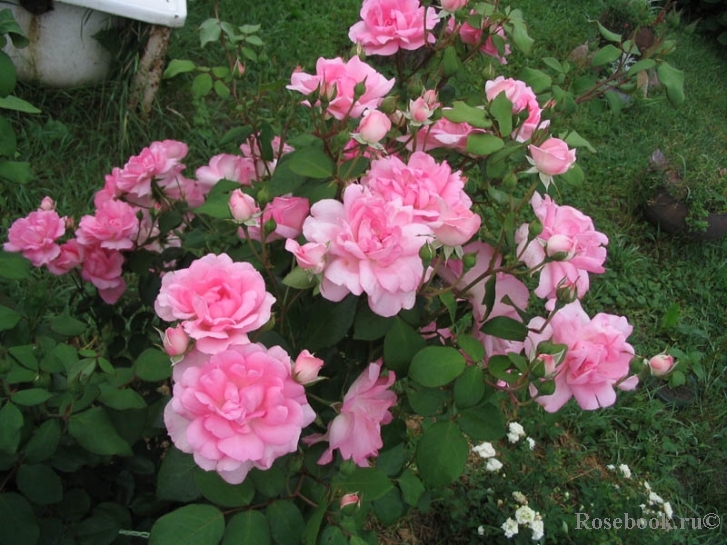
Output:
[[13, 266], [450, 61], [505, 328], [31, 397], [449, 301], [16, 172], [401, 343], [311, 162], [369, 326], [202, 85], [221, 89], [9, 26], [40, 484], [610, 36], [178, 66], [313, 526], [17, 518], [25, 355], [389, 508], [217, 203], [574, 176], [8, 318], [553, 63], [484, 144], [8, 140], [247, 527], [577, 141], [220, 492], [671, 317], [411, 487], [461, 112], [193, 524], [538, 80], [122, 399], [209, 31], [442, 454], [435, 366], [44, 442], [270, 482], [153, 365], [520, 36], [93, 430], [286, 522], [67, 325], [501, 109], [643, 64], [249, 29], [254, 40], [472, 347], [469, 387], [17, 104], [673, 79], [427, 401], [371, 483], [605, 55], [329, 322], [11, 422], [482, 423], [176, 480]]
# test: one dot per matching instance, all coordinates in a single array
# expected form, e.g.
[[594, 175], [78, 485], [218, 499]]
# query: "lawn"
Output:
[[672, 288]]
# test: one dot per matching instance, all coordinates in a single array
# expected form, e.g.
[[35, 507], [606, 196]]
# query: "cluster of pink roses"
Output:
[[237, 405]]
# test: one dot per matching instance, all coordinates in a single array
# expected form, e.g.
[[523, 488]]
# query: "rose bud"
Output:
[[242, 206], [661, 364], [176, 341], [373, 126], [306, 367]]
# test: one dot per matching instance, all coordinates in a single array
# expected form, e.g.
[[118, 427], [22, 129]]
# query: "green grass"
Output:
[[81, 134]]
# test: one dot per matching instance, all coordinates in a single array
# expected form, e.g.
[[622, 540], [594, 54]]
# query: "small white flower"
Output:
[[485, 450], [520, 497], [647, 486], [510, 528], [611, 467], [655, 498], [625, 471], [667, 509], [493, 464], [515, 432], [531, 443], [538, 529], [480, 530], [524, 515]]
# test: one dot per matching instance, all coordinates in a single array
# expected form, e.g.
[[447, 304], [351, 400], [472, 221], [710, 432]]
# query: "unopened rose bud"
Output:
[[306, 367], [242, 206], [426, 253], [47, 204], [270, 226], [175, 341], [239, 69], [535, 228], [350, 499], [373, 126], [453, 5], [661, 364], [469, 260], [566, 293], [358, 90], [388, 105]]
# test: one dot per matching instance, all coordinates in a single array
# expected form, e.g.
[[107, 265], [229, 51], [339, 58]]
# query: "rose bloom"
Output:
[[335, 80], [443, 133], [356, 431], [157, 161], [597, 360], [576, 239], [310, 257], [35, 236], [288, 212], [236, 410], [228, 167], [219, 301], [71, 256], [453, 5], [552, 156], [103, 268], [373, 247], [522, 98], [114, 226], [473, 36], [421, 109], [389, 25]]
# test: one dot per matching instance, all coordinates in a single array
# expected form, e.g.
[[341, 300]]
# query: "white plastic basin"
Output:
[[171, 13]]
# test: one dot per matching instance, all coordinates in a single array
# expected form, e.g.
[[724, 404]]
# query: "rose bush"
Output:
[[347, 303]]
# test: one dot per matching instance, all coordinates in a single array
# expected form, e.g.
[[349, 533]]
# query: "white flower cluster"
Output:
[[487, 451], [515, 432], [526, 517], [656, 501]]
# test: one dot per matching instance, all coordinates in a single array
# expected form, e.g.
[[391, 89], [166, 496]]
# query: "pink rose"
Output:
[[287, 212], [306, 367], [661, 364], [228, 167], [443, 133], [373, 126], [103, 268], [115, 226], [522, 98], [573, 234], [350, 499], [35, 236], [47, 204], [453, 5], [250, 148], [552, 156], [455, 224], [336, 81], [597, 360], [373, 247], [421, 109], [71, 256], [236, 410], [356, 431], [218, 301], [242, 206], [310, 257], [158, 161], [389, 25], [175, 341], [475, 37]]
